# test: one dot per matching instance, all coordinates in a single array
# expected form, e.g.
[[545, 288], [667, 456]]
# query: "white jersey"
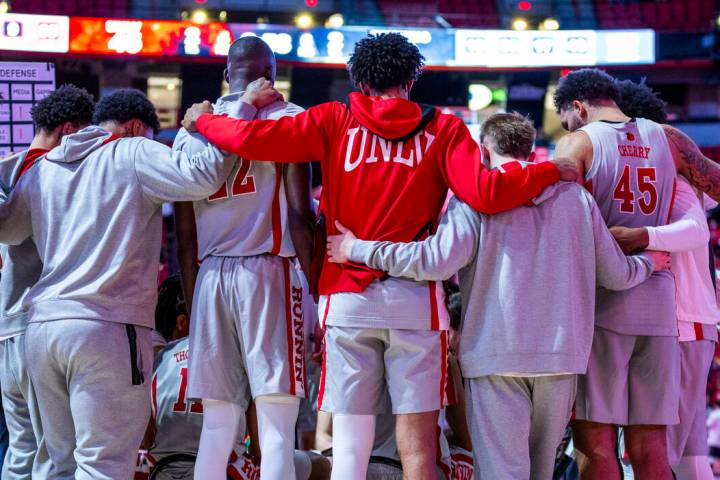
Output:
[[178, 420], [632, 178], [248, 215]]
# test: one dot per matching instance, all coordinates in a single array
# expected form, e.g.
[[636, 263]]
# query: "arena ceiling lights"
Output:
[[447, 48]]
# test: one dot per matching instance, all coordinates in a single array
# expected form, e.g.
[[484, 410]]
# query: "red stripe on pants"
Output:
[[321, 389], [434, 316], [443, 371]]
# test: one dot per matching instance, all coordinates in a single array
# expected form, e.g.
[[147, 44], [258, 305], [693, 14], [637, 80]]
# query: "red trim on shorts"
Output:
[[573, 412], [434, 315], [276, 225], [153, 392], [699, 335], [288, 324], [325, 315], [151, 458], [321, 388], [672, 201], [443, 367]]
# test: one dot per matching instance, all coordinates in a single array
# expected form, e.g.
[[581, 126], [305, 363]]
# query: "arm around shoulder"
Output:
[[614, 270], [174, 176], [436, 258], [488, 191]]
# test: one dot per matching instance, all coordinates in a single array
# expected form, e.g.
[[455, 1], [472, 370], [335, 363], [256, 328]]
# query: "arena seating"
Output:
[[88, 8], [459, 13], [663, 16]]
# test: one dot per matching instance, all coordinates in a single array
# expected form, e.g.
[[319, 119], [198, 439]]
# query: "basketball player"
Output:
[[247, 319], [521, 350], [697, 310], [65, 111], [93, 208], [387, 164], [629, 166], [179, 420]]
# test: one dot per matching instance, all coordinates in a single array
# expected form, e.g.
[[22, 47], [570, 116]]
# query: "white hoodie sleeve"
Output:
[[15, 220], [438, 257], [173, 176], [688, 230]]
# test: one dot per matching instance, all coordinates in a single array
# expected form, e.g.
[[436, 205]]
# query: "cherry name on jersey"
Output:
[[637, 151]]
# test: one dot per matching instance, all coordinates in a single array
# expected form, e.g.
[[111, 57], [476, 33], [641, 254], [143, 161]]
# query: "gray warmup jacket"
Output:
[[93, 207], [527, 279], [21, 265]]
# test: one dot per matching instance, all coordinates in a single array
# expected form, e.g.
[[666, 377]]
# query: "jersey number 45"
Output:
[[645, 178]]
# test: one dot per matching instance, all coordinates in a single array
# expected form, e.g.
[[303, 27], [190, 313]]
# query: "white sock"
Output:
[[277, 415], [694, 468], [352, 443], [221, 421]]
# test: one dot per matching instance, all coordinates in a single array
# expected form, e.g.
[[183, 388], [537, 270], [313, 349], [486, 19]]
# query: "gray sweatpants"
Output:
[[94, 405], [516, 423], [26, 456]]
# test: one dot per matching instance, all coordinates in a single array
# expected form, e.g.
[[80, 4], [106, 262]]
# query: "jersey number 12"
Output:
[[242, 183]]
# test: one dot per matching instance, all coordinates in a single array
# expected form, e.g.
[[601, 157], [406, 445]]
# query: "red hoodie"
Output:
[[386, 166]]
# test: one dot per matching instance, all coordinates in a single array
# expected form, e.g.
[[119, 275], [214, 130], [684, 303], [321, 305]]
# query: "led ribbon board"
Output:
[[441, 47], [34, 33]]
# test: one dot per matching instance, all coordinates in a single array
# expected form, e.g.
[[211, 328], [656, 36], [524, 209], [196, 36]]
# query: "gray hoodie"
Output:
[[21, 265], [527, 279], [93, 208]]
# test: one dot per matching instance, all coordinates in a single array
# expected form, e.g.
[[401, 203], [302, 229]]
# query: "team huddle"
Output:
[[449, 306]]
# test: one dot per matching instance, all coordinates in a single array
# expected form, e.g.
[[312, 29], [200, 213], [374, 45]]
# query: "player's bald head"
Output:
[[250, 47], [249, 58]]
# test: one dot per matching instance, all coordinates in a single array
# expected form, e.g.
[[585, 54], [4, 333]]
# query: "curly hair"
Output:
[[385, 61], [126, 104], [640, 101], [586, 84], [170, 305], [511, 134], [66, 104]]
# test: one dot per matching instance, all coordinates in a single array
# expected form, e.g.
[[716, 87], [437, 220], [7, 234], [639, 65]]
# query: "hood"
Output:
[[546, 194], [392, 118], [77, 146]]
